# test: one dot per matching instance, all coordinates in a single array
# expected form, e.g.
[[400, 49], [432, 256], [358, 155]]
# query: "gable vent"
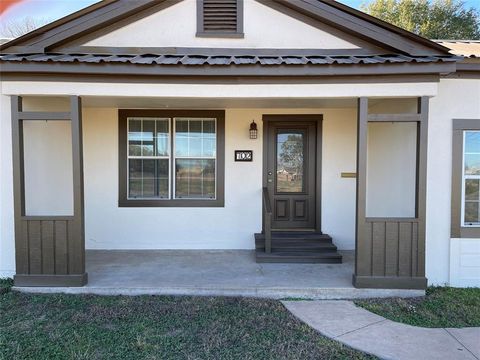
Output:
[[220, 17]]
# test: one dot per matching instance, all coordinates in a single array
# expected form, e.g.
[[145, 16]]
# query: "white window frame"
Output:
[[466, 177], [171, 157], [141, 157], [175, 157]]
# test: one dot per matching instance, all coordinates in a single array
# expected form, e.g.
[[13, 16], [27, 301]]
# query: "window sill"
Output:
[[229, 35], [171, 203]]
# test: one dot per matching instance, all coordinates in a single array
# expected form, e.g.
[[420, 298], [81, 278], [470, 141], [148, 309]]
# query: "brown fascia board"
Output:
[[109, 11], [359, 24], [386, 25], [57, 69], [48, 27], [79, 24]]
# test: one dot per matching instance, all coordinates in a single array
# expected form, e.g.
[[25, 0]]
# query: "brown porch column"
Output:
[[50, 250], [390, 252]]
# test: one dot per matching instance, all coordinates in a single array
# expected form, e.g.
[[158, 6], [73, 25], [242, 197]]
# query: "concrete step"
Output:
[[296, 239], [295, 235], [297, 247]]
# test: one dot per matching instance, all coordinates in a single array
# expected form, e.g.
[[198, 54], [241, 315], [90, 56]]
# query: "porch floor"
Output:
[[217, 273]]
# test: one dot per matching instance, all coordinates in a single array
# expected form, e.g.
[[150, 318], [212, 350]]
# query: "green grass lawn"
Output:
[[441, 307], [156, 327]]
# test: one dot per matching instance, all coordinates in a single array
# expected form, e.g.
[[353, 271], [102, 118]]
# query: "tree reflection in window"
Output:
[[290, 164]]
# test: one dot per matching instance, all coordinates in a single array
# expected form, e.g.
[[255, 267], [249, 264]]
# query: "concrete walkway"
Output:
[[373, 334]]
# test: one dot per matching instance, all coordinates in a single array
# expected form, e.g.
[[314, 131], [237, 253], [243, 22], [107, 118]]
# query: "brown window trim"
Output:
[[220, 34], [457, 230], [123, 200]]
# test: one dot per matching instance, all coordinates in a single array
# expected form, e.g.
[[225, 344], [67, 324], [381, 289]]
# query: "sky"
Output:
[[55, 9]]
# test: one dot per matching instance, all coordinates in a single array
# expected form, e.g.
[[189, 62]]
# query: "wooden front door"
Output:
[[291, 172]]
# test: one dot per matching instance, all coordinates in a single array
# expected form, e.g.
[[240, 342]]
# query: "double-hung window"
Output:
[[471, 179], [171, 158], [465, 210]]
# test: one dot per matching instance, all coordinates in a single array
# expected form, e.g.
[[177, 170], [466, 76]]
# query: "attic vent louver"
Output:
[[220, 18]]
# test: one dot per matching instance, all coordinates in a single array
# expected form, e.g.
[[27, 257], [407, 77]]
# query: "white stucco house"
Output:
[[294, 128]]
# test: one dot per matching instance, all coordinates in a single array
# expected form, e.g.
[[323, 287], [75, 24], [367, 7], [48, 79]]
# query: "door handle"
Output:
[[270, 180], [269, 173]]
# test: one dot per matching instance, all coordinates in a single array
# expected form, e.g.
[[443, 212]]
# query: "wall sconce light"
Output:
[[253, 130]]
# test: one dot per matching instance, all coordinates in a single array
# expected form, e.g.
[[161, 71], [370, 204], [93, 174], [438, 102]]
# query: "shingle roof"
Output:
[[466, 48], [214, 60]]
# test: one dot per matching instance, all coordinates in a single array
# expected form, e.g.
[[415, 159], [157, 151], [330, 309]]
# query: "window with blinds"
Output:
[[220, 18]]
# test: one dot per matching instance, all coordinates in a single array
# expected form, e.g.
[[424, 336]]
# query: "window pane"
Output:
[[162, 137], [209, 139], [472, 141], [195, 178], [181, 138], [471, 212], [148, 132], [290, 162], [135, 178], [195, 138], [471, 189], [134, 137], [472, 164], [148, 178]]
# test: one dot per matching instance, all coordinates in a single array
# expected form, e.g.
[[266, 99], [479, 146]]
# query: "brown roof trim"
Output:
[[102, 50], [468, 66], [57, 23], [147, 79], [231, 71], [359, 24], [386, 25], [328, 11], [224, 59], [82, 23]]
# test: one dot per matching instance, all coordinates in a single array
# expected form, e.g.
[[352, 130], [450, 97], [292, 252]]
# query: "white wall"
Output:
[[7, 242], [231, 227], [339, 149], [264, 27], [456, 99], [391, 169], [48, 167]]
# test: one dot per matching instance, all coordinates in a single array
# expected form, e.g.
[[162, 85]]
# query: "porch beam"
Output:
[[43, 115], [77, 246], [362, 244], [422, 155], [394, 117], [21, 242]]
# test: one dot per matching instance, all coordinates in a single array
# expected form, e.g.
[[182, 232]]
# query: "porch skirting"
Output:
[[389, 282], [51, 280]]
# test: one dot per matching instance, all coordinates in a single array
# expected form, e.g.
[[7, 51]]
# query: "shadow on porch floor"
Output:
[[217, 273]]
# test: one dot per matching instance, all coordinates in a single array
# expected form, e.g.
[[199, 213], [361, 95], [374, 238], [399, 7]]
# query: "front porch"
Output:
[[216, 273], [127, 244]]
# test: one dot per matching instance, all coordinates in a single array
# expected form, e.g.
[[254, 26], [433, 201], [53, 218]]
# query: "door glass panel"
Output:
[[290, 161]]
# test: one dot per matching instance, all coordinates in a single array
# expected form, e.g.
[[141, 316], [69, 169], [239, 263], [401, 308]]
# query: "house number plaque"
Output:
[[243, 155]]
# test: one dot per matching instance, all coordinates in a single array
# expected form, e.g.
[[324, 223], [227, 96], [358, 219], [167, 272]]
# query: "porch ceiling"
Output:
[[193, 103]]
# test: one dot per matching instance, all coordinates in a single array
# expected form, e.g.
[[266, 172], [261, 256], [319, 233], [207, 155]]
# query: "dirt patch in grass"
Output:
[[156, 327], [441, 307]]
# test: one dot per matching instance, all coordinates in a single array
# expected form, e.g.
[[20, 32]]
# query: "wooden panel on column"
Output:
[[390, 252], [50, 250]]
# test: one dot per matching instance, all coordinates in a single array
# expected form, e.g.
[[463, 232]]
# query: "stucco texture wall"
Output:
[[231, 227], [456, 99]]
